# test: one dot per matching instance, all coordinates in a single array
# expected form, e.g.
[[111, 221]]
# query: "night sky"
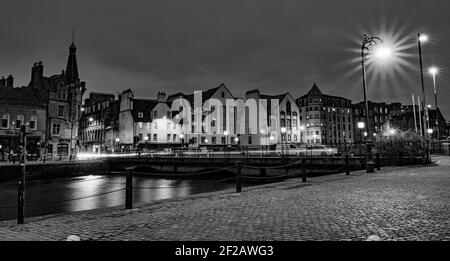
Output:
[[276, 46]]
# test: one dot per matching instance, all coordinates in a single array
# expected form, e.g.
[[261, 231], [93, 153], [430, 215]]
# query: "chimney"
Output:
[[162, 97], [37, 73], [3, 82], [10, 81]]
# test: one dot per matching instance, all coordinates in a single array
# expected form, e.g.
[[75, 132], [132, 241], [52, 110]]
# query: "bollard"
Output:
[[238, 178], [347, 165], [21, 196], [378, 161], [303, 170], [44, 158], [129, 189]]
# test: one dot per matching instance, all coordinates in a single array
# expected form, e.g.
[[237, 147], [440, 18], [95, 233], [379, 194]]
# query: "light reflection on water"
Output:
[[51, 196]]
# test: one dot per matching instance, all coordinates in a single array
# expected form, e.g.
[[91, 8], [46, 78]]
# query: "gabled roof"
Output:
[[144, 106], [206, 95]]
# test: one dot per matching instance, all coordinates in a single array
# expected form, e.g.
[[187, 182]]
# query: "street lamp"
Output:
[[117, 142], [283, 134], [361, 126], [434, 71], [366, 44], [422, 38]]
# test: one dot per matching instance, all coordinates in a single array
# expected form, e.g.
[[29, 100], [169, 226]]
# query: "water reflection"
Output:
[[61, 195]]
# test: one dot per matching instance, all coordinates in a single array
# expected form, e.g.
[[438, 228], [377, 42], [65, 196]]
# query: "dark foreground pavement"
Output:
[[410, 203]]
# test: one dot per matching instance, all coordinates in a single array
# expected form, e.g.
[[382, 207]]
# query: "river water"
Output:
[[62, 195]]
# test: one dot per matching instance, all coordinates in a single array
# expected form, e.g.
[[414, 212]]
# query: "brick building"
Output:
[[327, 119], [20, 106]]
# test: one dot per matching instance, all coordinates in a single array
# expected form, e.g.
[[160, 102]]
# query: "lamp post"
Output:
[[361, 126], [423, 38], [367, 43], [117, 140], [283, 134], [434, 71]]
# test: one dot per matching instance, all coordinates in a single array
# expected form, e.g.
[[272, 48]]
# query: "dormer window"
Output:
[[141, 115]]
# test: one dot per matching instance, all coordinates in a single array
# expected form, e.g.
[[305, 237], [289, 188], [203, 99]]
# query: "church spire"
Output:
[[72, 67]]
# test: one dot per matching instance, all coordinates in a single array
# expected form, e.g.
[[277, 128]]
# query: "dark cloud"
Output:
[[185, 45]]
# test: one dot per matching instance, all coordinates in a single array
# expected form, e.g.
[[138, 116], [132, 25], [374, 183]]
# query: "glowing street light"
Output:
[[383, 52], [423, 38], [117, 139], [434, 71], [91, 119], [430, 131], [392, 132], [361, 125]]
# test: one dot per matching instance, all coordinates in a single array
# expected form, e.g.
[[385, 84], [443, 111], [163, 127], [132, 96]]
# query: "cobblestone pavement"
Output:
[[410, 203]]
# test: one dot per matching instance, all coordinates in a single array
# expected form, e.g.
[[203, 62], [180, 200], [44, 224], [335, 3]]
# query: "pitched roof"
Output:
[[145, 107], [206, 95], [20, 96], [315, 91]]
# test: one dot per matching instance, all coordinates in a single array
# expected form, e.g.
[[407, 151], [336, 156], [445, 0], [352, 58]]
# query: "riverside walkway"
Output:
[[403, 203]]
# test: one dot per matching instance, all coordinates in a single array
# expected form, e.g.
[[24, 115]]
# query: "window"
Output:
[[5, 121], [174, 138], [155, 114], [222, 95], [56, 128], [155, 137], [140, 125], [140, 115], [249, 140], [155, 125], [33, 122], [140, 136], [168, 137], [214, 140], [19, 121], [60, 111], [148, 125]]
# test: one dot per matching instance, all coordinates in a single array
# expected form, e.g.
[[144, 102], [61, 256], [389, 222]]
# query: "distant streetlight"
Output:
[[146, 138], [430, 131], [91, 119], [392, 132], [361, 125], [434, 71]]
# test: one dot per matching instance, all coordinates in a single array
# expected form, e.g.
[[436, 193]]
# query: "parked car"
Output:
[[287, 149], [320, 150]]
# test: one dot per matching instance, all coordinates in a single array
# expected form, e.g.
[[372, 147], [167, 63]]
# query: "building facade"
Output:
[[379, 119], [62, 95], [20, 106], [211, 119], [95, 118], [327, 119], [280, 124]]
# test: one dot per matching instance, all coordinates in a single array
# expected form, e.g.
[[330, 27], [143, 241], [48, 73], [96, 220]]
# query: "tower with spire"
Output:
[[63, 94]]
